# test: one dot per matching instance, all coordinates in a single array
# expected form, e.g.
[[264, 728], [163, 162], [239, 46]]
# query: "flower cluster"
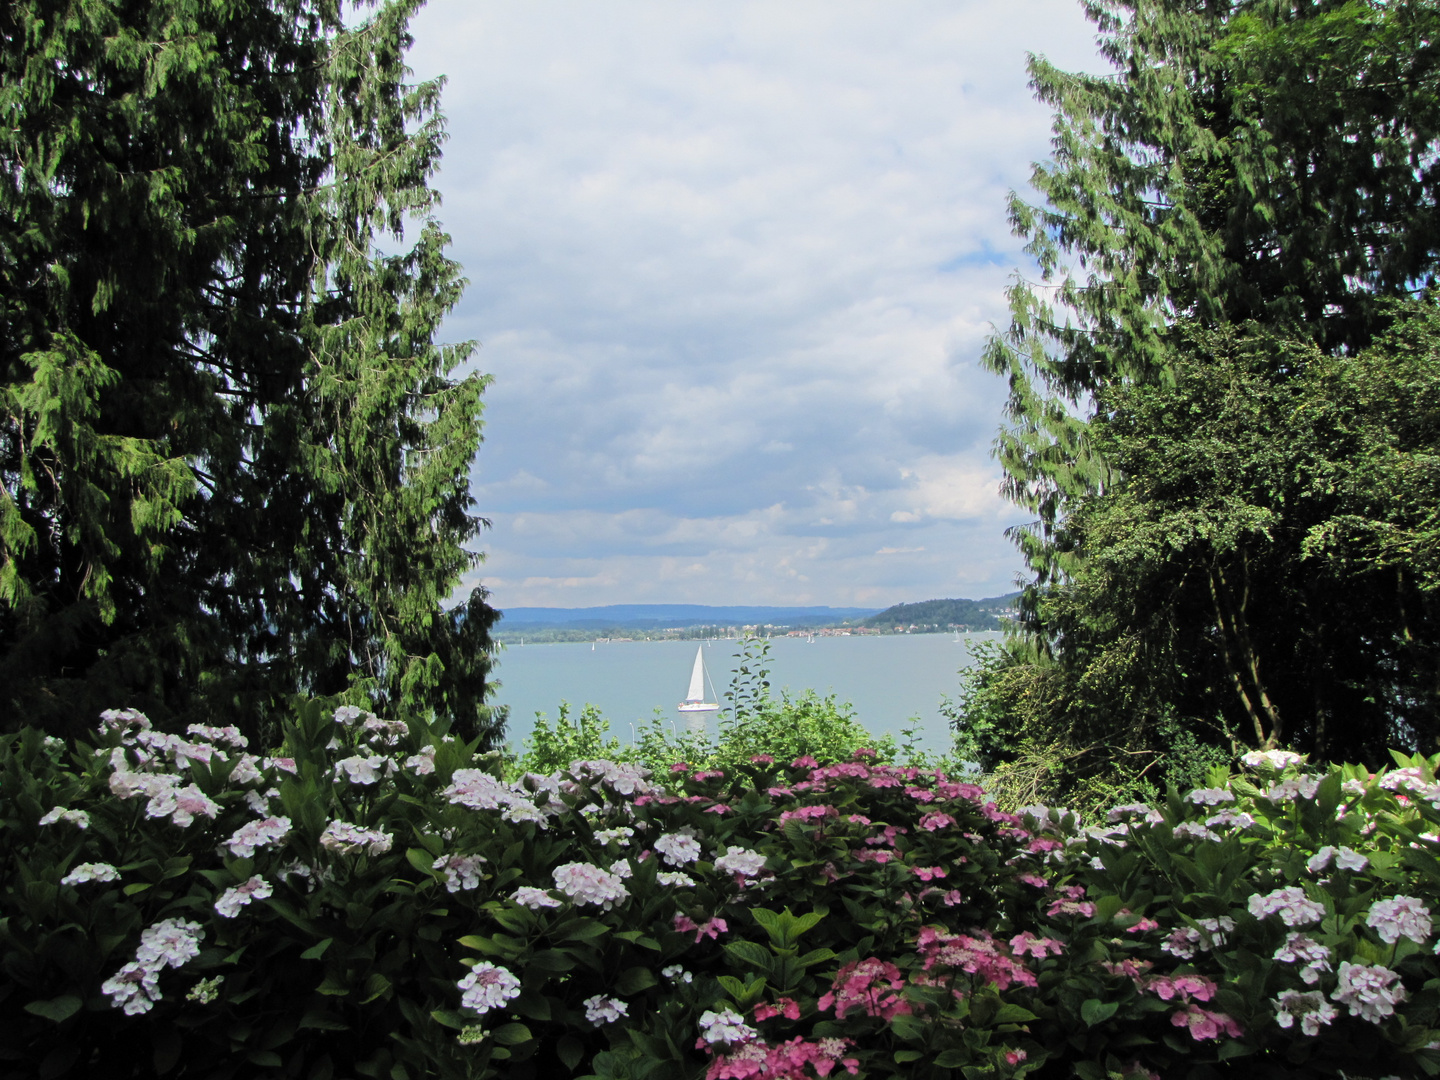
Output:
[[136, 987], [345, 837], [461, 871], [586, 884], [1370, 992], [601, 1009], [488, 987], [1400, 916], [233, 899], [1290, 903]]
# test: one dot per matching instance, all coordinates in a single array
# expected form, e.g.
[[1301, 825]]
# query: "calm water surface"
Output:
[[888, 679]]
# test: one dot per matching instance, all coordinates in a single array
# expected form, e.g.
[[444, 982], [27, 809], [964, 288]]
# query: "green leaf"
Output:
[[570, 1050], [952, 1059], [56, 1009], [375, 985], [903, 1057], [751, 955], [316, 951], [323, 1022], [585, 930], [1013, 1014], [512, 1034], [421, 860], [1093, 1011], [635, 979], [815, 956]]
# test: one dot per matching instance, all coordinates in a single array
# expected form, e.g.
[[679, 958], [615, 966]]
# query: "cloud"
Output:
[[732, 266]]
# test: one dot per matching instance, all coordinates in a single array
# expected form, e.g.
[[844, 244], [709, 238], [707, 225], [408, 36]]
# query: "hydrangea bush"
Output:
[[373, 899]]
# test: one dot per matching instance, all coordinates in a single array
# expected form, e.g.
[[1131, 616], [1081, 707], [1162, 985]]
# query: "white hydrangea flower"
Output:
[[1210, 796], [246, 770], [1290, 903], [1270, 759], [676, 973], [229, 735], [1311, 1009], [191, 802], [1132, 811], [678, 848], [349, 714], [621, 835], [725, 1028], [601, 1009], [169, 943], [384, 732], [123, 721], [134, 988], [345, 837], [1288, 790], [488, 987], [621, 869], [478, 790], [533, 898], [79, 818], [1218, 928], [675, 879], [270, 832], [461, 871], [524, 810], [1230, 819], [361, 769], [1400, 916], [423, 763], [233, 899], [91, 871], [1304, 950], [742, 861], [1370, 992], [1195, 831], [586, 884], [1348, 859]]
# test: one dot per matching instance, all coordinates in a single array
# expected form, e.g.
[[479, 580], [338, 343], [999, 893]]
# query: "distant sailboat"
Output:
[[695, 700]]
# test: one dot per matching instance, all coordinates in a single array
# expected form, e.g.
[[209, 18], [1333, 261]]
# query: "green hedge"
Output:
[[375, 900]]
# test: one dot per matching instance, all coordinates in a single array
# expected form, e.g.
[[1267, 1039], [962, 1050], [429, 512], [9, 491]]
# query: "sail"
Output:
[[697, 679]]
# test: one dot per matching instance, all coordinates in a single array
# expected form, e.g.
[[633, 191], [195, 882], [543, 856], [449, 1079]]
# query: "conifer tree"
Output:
[[1266, 171], [235, 459], [1247, 160]]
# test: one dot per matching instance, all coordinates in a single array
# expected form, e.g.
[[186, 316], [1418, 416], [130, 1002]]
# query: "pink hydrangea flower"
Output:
[[1203, 1024], [783, 1006]]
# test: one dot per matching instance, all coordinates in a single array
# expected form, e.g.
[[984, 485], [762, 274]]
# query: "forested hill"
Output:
[[987, 614]]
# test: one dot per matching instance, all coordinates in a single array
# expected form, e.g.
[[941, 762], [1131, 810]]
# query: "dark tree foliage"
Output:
[[1273, 161], [1229, 220], [1267, 564], [234, 460]]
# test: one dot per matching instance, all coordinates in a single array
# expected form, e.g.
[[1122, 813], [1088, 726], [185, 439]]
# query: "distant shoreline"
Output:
[[544, 636]]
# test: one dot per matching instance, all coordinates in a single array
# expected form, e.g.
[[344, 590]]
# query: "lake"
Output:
[[888, 679]]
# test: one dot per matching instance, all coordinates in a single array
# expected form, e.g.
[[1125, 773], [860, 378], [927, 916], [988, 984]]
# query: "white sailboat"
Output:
[[695, 699]]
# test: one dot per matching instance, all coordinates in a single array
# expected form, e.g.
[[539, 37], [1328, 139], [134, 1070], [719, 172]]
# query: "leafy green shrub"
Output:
[[375, 901], [754, 723]]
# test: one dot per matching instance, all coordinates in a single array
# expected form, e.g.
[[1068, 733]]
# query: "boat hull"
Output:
[[697, 706]]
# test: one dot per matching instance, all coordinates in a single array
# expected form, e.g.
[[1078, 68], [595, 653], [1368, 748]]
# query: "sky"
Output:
[[731, 267]]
